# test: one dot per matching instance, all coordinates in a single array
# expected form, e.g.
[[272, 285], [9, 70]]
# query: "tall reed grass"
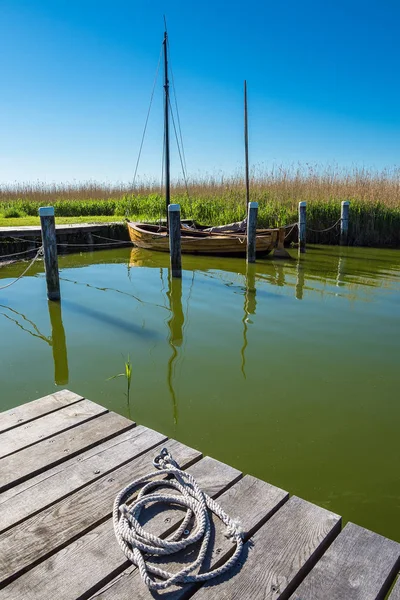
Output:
[[216, 199]]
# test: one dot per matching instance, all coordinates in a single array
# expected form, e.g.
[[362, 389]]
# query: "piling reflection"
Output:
[[299, 278], [341, 271], [57, 340], [59, 345], [175, 333], [250, 304]]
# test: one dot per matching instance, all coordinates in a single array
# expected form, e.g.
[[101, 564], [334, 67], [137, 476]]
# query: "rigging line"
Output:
[[24, 317], [180, 155], [147, 117], [176, 106], [162, 179]]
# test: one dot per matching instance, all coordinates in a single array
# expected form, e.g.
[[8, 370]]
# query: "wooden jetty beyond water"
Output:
[[63, 459]]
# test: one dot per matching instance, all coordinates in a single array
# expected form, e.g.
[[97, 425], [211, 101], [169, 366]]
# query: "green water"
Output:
[[289, 371]]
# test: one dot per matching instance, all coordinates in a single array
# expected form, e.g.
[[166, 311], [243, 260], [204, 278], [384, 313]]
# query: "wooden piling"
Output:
[[251, 231], [344, 222], [174, 224], [302, 226], [49, 242]]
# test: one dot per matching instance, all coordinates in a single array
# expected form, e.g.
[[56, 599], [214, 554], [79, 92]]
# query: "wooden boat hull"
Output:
[[152, 237]]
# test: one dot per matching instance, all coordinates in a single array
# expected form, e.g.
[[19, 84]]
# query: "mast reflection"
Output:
[[175, 333]]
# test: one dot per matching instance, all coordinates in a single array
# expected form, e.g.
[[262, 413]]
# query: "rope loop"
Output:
[[140, 545], [326, 229], [37, 255]]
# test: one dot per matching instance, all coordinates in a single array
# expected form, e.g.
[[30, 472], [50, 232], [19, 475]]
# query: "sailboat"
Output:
[[195, 238]]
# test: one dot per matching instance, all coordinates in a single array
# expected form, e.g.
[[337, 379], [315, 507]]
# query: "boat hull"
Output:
[[155, 238]]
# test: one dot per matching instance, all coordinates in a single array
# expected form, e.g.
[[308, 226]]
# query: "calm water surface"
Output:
[[288, 370]]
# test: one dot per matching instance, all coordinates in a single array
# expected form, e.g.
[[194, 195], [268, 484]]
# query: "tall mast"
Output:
[[246, 146], [166, 123]]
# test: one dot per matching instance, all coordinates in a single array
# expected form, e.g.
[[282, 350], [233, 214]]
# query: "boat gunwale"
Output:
[[200, 234]]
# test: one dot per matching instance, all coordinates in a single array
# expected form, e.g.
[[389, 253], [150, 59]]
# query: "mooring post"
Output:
[[49, 242], [302, 226], [344, 222], [174, 224], [251, 231]]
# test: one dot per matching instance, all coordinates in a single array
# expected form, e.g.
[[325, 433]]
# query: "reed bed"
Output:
[[216, 199]]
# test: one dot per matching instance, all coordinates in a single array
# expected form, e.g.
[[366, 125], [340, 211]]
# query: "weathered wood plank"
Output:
[[28, 483], [26, 544], [30, 461], [37, 408], [395, 595], [96, 557], [251, 500], [78, 474], [359, 565], [47, 426], [279, 554]]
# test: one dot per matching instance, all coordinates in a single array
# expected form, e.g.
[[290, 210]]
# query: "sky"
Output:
[[323, 86]]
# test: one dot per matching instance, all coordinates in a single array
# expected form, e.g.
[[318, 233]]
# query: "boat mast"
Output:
[[166, 124], [246, 147]]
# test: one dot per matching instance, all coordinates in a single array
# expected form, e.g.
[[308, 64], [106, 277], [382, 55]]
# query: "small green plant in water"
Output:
[[128, 376]]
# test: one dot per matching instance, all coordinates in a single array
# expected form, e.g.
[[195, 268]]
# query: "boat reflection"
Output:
[[57, 340]]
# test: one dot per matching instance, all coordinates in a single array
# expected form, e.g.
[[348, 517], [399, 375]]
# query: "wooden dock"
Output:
[[63, 461]]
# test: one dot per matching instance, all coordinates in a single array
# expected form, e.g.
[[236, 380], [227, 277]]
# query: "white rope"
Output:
[[39, 253], [326, 229], [138, 545], [17, 253], [287, 235], [112, 239]]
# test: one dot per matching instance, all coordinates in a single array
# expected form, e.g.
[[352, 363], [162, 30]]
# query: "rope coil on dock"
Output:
[[139, 545]]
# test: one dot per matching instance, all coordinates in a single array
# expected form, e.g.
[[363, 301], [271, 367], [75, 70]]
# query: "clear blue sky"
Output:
[[323, 79]]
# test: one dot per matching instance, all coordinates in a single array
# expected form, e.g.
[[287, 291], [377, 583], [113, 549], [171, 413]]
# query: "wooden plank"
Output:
[[37, 408], [279, 554], [27, 483], [30, 461], [26, 544], [47, 426], [76, 475], [395, 595], [359, 565], [95, 558], [251, 500]]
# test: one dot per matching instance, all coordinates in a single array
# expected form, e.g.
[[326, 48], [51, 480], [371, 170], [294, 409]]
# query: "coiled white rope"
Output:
[[138, 545]]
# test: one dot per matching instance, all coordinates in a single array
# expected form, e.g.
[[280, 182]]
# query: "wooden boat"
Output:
[[196, 239]]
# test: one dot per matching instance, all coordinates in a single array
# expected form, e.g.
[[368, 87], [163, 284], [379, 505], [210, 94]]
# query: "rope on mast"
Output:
[[147, 117], [180, 155], [177, 111]]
